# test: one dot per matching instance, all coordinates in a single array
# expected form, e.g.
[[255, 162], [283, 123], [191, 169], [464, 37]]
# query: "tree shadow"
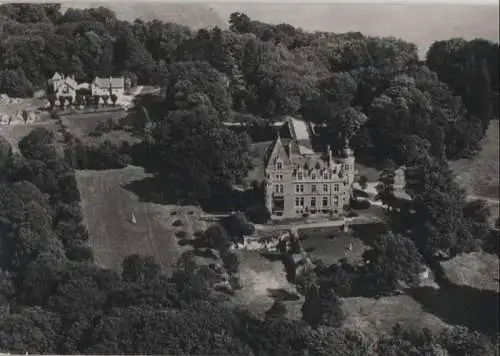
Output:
[[461, 305], [155, 190], [282, 294]]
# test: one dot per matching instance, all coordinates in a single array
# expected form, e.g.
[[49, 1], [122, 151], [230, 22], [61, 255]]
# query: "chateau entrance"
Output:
[[278, 206]]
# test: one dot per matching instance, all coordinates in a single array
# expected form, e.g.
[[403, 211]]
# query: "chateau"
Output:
[[300, 180]]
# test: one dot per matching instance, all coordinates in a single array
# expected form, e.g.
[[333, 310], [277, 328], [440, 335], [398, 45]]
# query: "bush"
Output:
[[181, 234], [217, 237], [360, 204], [237, 226], [258, 214], [80, 253]]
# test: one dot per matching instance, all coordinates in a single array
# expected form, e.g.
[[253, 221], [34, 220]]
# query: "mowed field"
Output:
[[108, 208]]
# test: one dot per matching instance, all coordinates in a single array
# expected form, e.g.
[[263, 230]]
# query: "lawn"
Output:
[[84, 123], [378, 316], [478, 270], [262, 279], [480, 175], [329, 244], [257, 155], [108, 207]]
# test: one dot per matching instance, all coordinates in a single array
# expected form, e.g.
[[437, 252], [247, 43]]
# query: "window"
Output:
[[299, 175], [325, 175], [279, 188], [346, 167], [279, 165], [313, 175], [313, 202], [297, 201], [325, 188], [336, 188], [301, 201], [313, 188], [299, 188], [325, 202], [279, 176]]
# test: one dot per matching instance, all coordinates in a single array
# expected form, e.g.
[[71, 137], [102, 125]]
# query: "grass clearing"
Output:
[[14, 133], [378, 316], [329, 244], [82, 124], [260, 277], [478, 270], [480, 175], [107, 208]]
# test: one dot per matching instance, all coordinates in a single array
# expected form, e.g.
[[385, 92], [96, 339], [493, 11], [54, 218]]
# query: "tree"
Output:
[[194, 152], [237, 226], [218, 237], [140, 269], [385, 187], [31, 330], [230, 260], [363, 182], [322, 307], [391, 260]]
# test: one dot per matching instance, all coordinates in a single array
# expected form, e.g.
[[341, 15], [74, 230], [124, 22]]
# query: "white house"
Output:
[[64, 86], [108, 86]]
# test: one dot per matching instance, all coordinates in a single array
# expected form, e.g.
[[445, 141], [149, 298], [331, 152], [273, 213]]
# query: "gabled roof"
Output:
[[277, 150], [57, 76], [106, 83], [71, 82]]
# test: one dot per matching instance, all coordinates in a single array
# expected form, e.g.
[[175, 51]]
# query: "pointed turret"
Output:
[[348, 152]]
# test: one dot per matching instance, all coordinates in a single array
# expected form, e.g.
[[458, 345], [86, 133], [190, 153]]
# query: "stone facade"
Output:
[[300, 181]]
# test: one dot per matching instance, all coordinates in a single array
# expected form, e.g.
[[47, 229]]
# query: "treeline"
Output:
[[55, 300], [373, 90]]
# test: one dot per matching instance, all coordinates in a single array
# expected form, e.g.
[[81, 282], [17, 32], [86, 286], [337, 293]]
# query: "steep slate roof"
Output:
[[106, 83], [71, 82]]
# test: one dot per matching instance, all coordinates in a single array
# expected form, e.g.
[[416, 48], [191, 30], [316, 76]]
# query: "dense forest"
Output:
[[374, 92]]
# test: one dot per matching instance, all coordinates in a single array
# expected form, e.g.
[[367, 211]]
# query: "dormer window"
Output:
[[299, 176], [279, 164], [325, 175], [313, 175]]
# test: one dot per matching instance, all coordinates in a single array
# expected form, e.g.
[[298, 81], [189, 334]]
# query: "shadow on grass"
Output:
[[282, 294], [461, 305], [154, 190]]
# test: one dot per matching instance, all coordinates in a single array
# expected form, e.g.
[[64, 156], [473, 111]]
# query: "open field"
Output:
[[379, 316], [82, 124], [477, 270], [107, 208], [480, 175]]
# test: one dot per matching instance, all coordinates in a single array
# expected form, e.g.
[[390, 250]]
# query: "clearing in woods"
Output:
[[108, 207]]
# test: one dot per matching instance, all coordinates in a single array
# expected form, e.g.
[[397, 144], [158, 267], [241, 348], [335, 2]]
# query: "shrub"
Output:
[[237, 226], [360, 204], [181, 234], [258, 214]]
